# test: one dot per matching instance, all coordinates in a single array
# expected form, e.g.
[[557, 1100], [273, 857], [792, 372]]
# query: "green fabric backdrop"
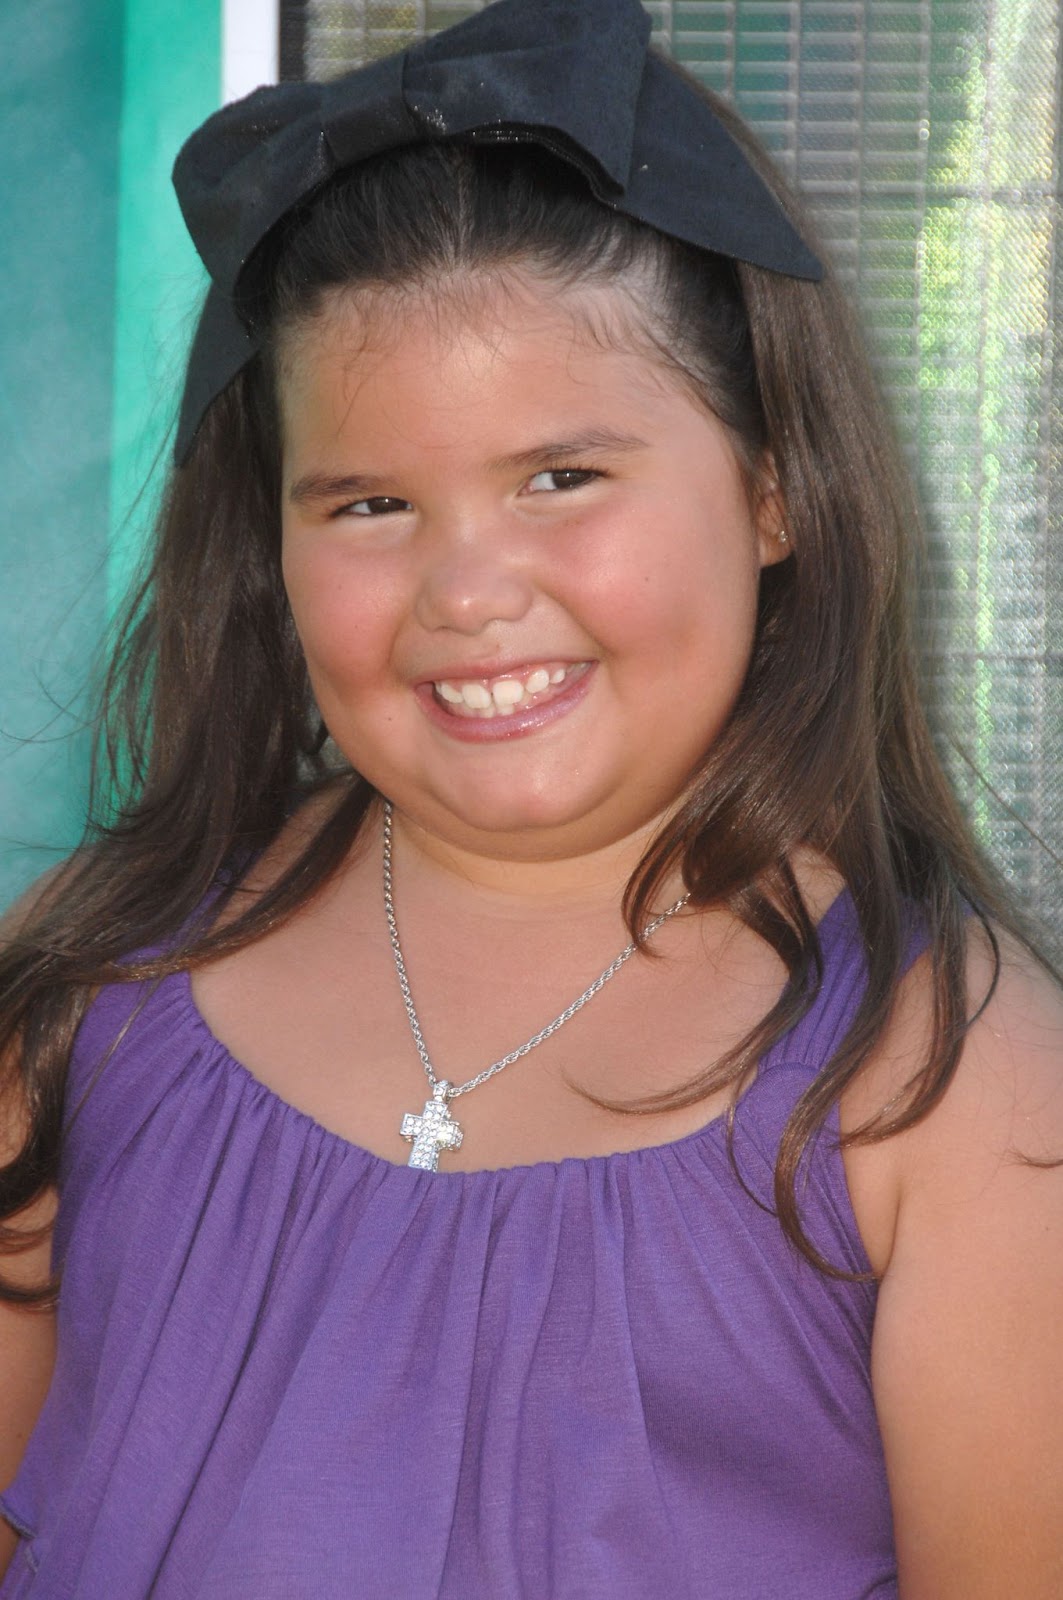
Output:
[[97, 282], [60, 111]]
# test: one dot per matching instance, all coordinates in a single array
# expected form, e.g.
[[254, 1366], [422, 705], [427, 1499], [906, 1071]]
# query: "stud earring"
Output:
[[782, 536]]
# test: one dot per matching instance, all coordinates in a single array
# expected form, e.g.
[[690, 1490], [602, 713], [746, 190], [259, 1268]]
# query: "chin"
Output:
[[532, 817], [534, 827], [523, 823]]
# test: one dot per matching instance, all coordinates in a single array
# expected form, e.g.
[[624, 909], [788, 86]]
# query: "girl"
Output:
[[543, 1096]]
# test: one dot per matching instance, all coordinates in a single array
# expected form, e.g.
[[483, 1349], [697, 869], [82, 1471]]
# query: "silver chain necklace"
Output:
[[434, 1129]]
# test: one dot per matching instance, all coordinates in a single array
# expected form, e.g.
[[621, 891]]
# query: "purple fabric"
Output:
[[289, 1368]]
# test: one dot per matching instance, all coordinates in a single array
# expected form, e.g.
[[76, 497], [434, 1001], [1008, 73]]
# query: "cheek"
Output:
[[686, 593], [344, 617]]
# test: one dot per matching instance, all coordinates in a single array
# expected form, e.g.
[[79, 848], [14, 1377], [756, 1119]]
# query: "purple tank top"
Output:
[[291, 1370]]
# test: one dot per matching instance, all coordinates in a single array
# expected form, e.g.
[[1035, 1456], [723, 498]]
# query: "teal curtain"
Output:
[[60, 110], [97, 282], [926, 134]]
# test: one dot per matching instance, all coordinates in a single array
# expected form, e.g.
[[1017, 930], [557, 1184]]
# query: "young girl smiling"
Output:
[[543, 1095]]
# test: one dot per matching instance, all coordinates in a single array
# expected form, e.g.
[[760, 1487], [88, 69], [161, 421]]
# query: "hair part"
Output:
[[444, 219], [211, 735]]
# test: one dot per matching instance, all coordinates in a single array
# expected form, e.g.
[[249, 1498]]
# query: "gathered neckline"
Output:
[[371, 1158]]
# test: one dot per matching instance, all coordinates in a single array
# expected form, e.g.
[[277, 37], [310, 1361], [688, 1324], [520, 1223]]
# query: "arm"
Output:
[[27, 1333], [967, 1361], [27, 1349]]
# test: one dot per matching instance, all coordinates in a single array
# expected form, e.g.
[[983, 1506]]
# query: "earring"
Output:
[[782, 536]]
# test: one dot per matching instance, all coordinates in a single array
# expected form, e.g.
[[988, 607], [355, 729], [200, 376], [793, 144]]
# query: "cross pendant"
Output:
[[434, 1130]]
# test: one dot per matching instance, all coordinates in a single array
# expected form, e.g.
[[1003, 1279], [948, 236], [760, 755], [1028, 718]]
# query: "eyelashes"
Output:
[[376, 505], [574, 478], [565, 480]]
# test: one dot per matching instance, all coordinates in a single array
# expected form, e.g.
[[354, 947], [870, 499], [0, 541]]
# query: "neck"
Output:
[[588, 884]]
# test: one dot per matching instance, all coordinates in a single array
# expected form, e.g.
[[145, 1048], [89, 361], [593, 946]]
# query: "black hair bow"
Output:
[[573, 76]]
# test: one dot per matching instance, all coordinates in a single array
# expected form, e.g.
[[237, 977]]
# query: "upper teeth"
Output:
[[503, 694]]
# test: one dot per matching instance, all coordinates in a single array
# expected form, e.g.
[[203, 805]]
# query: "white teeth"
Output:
[[507, 693], [504, 695]]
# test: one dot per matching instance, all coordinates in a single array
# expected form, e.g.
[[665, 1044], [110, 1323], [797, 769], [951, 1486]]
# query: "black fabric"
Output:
[[576, 78]]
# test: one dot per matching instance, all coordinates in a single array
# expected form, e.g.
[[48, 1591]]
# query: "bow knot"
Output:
[[554, 66]]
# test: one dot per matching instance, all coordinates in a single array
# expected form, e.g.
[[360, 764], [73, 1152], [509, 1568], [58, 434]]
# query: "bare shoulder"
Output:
[[966, 1366], [1007, 1098], [1004, 1106]]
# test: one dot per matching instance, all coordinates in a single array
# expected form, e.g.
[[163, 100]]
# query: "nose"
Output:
[[469, 581]]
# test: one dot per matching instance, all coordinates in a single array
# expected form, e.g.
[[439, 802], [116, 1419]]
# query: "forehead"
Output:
[[487, 337]]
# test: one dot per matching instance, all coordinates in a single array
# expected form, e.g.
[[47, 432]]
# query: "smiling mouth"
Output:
[[482, 699]]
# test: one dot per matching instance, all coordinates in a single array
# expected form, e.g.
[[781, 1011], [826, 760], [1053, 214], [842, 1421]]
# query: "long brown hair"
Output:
[[210, 734]]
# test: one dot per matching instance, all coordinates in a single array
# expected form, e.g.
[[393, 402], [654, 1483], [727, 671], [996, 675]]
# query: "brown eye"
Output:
[[377, 505], [557, 479]]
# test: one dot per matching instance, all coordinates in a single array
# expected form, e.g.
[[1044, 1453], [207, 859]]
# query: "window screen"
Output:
[[926, 136]]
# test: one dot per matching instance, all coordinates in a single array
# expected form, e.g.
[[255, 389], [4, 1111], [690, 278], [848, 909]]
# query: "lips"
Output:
[[505, 703]]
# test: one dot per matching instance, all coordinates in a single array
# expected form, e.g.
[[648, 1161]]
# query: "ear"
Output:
[[769, 516]]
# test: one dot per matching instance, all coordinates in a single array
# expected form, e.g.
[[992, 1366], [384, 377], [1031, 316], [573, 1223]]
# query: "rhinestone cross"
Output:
[[434, 1130]]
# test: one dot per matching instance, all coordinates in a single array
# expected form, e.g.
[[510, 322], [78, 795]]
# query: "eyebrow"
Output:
[[317, 486], [593, 441]]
